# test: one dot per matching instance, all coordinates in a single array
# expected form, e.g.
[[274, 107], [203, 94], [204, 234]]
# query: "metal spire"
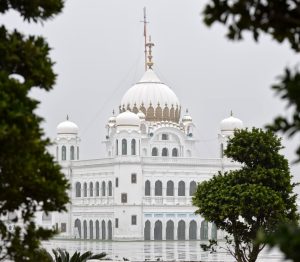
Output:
[[145, 36], [150, 62]]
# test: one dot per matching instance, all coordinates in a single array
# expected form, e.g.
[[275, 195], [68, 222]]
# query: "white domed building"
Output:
[[142, 188]]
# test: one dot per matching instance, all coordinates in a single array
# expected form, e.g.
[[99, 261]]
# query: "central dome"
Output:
[[155, 99]]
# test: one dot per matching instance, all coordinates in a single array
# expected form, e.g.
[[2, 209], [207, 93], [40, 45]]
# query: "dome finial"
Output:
[[113, 112], [67, 117], [149, 61], [231, 114]]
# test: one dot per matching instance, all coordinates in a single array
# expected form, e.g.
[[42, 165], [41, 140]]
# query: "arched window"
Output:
[[181, 188], [103, 188], [204, 230], [164, 137], [97, 230], [91, 230], [124, 147], [77, 226], [165, 152], [91, 189], [133, 147], [181, 230], [147, 230], [72, 153], [158, 188], [85, 189], [117, 147], [109, 188], [154, 151], [78, 153], [103, 229], [222, 150], [97, 188], [158, 230], [170, 230], [84, 229], [147, 188], [193, 188], [170, 188], [109, 225], [63, 153], [174, 152], [78, 189], [193, 230]]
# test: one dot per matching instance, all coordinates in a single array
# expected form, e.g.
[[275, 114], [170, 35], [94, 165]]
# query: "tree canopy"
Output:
[[30, 180], [257, 196], [281, 20]]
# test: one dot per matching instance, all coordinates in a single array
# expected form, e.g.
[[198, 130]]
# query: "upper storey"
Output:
[[154, 98]]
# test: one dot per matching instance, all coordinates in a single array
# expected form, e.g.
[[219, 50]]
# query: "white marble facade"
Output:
[[142, 188]]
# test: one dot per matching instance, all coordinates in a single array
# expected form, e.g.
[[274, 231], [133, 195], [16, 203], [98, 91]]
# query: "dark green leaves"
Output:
[[257, 196]]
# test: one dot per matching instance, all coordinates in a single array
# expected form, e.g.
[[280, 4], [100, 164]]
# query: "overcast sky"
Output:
[[98, 50]]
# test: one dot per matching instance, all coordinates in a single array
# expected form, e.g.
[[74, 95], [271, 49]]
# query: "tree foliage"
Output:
[[64, 256], [257, 196], [30, 181], [281, 20]]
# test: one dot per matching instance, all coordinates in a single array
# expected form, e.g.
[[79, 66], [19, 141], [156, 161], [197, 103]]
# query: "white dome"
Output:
[[128, 118], [231, 123], [67, 127], [150, 91], [112, 120]]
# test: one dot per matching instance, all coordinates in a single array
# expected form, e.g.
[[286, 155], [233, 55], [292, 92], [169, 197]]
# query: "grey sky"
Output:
[[98, 49]]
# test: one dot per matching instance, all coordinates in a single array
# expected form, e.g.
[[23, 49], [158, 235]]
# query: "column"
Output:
[[175, 229]]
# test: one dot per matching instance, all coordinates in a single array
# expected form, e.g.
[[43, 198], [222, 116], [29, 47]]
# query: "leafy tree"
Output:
[[64, 256], [30, 181], [257, 196], [281, 20]]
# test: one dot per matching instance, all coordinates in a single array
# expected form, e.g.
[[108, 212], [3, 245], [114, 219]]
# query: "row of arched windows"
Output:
[[124, 147], [64, 153], [164, 152], [158, 188], [86, 229], [180, 232], [92, 190]]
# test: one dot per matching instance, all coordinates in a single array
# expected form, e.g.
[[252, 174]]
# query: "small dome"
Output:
[[112, 121], [127, 118], [67, 127], [187, 118], [141, 115], [231, 123]]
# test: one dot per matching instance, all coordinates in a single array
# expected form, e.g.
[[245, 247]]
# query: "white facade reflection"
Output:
[[154, 250]]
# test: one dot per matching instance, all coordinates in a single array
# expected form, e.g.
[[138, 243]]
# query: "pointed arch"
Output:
[[91, 230], [77, 226], [147, 230], [91, 189], [63, 153], [158, 230], [147, 188], [84, 229], [154, 151], [109, 225], [181, 188], [72, 153], [174, 152], [204, 230], [103, 188], [97, 188], [97, 229], [193, 188], [181, 230], [170, 230], [109, 188], [193, 230], [170, 188], [124, 147], [133, 147], [78, 189], [103, 230], [158, 188]]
